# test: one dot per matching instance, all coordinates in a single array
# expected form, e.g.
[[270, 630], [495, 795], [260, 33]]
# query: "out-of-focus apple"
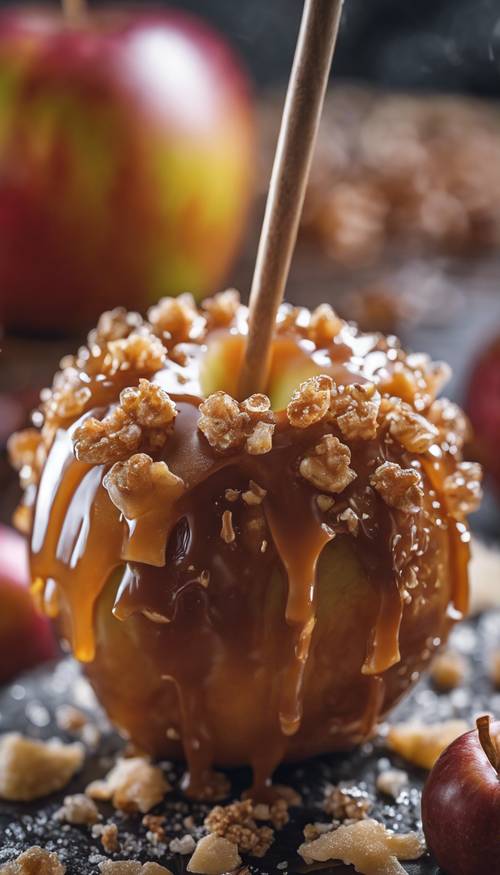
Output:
[[461, 803], [483, 408], [25, 635], [126, 147]]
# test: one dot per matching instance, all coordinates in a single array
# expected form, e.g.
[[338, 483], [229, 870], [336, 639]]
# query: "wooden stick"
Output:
[[74, 10], [299, 125]]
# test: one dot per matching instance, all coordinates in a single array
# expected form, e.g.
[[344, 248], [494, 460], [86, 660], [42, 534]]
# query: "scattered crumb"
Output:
[[422, 745], [155, 824], [222, 308], [31, 769], [351, 519], [448, 670], [392, 781], [227, 532], [78, 809], [184, 845], [237, 822], [366, 845], [214, 855], [347, 803], [132, 785], [108, 834], [314, 830], [255, 494], [232, 495], [34, 861], [325, 502]]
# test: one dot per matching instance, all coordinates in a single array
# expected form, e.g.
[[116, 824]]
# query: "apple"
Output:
[[126, 145], [461, 803], [483, 407], [26, 636]]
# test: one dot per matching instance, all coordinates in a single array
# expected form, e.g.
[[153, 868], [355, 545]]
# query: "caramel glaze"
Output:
[[300, 640]]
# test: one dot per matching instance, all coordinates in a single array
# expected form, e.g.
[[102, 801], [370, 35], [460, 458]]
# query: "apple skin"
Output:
[[483, 408], [126, 148], [461, 809], [26, 637]]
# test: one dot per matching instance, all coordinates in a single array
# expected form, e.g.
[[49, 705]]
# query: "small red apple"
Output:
[[26, 637], [461, 803], [483, 407], [126, 145]]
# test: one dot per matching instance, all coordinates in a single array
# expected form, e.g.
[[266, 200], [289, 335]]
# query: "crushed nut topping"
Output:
[[27, 453], [214, 855], [325, 502], [227, 532], [448, 670], [222, 308], [34, 861], [144, 414], [255, 494], [463, 490], [400, 488], [238, 823], [326, 465], [351, 519], [31, 769], [139, 485], [310, 402], [347, 803], [114, 325], [392, 782], [415, 433], [324, 325], [140, 352], [366, 845], [131, 785], [355, 409], [451, 422], [78, 809], [228, 425], [423, 745], [173, 319]]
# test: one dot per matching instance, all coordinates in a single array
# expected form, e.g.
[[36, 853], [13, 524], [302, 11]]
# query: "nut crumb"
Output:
[[351, 519], [173, 319], [237, 823], [131, 785], [114, 325], [400, 488], [354, 408], [227, 532], [326, 465], [232, 495], [183, 846], [448, 670], [324, 325], [422, 745], [34, 861], [78, 809], [392, 781], [222, 308], [366, 845], [411, 430], [462, 489], [131, 867], [222, 422], [140, 352], [155, 824], [255, 494], [214, 855], [31, 769], [108, 835], [347, 803], [310, 402], [325, 502], [260, 441]]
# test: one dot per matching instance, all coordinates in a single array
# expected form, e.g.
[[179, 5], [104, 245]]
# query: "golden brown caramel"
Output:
[[257, 581]]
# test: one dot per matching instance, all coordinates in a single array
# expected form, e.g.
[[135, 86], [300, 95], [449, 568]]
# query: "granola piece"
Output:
[[414, 432], [391, 782], [139, 485], [347, 803], [103, 442], [324, 325], [227, 532], [182, 846], [78, 810], [237, 823], [326, 465], [148, 405], [463, 490], [214, 855], [174, 318], [255, 494], [34, 861], [351, 519], [222, 422], [310, 402], [260, 441], [448, 670], [422, 745], [366, 845], [27, 454], [451, 422], [354, 408], [131, 785], [31, 769], [108, 835], [140, 352], [222, 308], [114, 325], [399, 487]]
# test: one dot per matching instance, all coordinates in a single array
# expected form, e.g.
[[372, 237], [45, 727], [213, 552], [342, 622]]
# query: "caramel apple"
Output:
[[253, 580]]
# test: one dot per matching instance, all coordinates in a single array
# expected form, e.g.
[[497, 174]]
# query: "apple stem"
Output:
[[487, 743], [299, 126], [74, 10]]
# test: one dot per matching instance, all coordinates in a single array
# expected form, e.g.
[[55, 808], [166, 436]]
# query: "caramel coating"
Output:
[[270, 575]]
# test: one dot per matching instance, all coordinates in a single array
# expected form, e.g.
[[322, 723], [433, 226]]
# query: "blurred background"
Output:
[[135, 153]]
